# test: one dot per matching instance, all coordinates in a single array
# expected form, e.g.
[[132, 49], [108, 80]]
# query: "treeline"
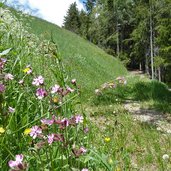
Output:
[[136, 31]]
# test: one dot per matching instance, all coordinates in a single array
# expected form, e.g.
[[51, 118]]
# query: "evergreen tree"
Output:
[[72, 19]]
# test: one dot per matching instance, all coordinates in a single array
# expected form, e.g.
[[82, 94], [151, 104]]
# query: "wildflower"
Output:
[[86, 130], [18, 163], [55, 89], [84, 169], [79, 118], [2, 62], [41, 93], [107, 139], [47, 121], [165, 157], [64, 123], [40, 144], [78, 152], [2, 130], [121, 80], [97, 91], [118, 169], [21, 82], [11, 110], [73, 81], [69, 89], [55, 100], [27, 70], [35, 131], [38, 81], [50, 138], [9, 76], [55, 137], [27, 131], [83, 150], [2, 88], [110, 161]]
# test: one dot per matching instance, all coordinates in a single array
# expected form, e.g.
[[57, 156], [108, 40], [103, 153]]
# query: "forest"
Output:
[[138, 32]]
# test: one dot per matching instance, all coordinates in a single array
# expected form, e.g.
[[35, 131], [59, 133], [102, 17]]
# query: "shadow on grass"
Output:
[[141, 91]]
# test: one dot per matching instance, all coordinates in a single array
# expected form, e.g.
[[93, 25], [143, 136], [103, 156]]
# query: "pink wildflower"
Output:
[[17, 164], [38, 81], [47, 121], [69, 89], [9, 76], [73, 81], [84, 169], [11, 110], [83, 150], [55, 89], [2, 88], [2, 62], [35, 131], [41, 93], [50, 138], [55, 137], [64, 123], [21, 82], [79, 118], [86, 130]]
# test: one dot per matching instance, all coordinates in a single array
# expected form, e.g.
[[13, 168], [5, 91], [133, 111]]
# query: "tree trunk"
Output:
[[151, 44], [140, 66], [159, 73], [146, 66]]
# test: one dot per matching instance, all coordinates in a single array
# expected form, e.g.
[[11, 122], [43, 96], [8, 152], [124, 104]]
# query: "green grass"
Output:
[[132, 146], [84, 61]]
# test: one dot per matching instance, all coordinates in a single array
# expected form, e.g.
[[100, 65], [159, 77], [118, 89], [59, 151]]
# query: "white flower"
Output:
[[165, 157]]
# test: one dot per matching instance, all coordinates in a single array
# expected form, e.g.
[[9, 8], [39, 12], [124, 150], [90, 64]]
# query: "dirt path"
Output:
[[160, 120]]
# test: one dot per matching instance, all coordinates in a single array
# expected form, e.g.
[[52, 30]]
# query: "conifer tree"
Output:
[[72, 19]]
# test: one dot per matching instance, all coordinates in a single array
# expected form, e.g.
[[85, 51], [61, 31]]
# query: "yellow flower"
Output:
[[110, 161], [55, 100], [107, 139], [26, 70], [2, 130], [27, 131], [118, 169]]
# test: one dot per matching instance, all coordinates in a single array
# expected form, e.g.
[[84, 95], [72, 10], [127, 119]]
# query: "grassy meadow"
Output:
[[62, 104]]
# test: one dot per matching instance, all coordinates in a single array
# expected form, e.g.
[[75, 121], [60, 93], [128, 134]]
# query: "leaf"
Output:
[[5, 52]]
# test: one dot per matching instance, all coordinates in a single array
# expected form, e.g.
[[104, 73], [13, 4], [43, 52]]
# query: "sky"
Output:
[[50, 10]]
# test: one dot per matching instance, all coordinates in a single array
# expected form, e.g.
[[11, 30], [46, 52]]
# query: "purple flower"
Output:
[[79, 118], [41, 93], [2, 88], [11, 110], [17, 164], [50, 138], [35, 131], [47, 121], [64, 123], [55, 89], [38, 81], [9, 76]]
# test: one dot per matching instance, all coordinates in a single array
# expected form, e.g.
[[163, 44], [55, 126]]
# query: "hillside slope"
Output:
[[84, 61]]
